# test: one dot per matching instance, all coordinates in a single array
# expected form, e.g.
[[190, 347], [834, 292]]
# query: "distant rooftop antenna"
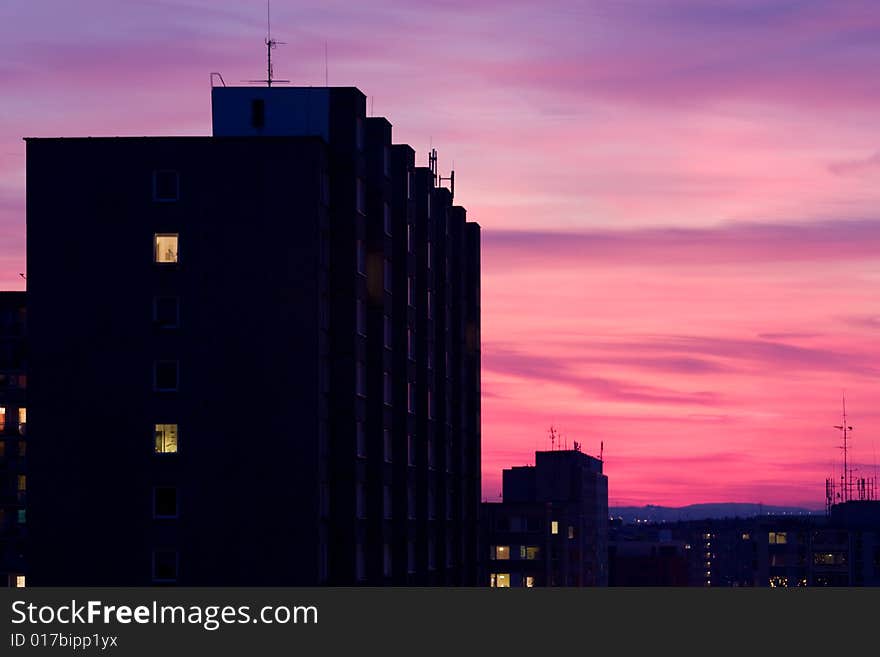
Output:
[[271, 44], [846, 478]]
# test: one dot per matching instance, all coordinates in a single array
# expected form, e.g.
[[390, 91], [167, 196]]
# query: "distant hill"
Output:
[[652, 513]]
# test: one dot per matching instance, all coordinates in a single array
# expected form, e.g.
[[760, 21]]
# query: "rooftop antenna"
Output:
[[601, 450], [326, 68], [844, 430], [271, 44]]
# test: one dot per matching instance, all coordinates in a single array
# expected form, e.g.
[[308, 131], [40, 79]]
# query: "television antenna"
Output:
[[271, 44]]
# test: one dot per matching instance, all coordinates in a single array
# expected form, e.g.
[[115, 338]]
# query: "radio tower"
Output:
[[845, 480]]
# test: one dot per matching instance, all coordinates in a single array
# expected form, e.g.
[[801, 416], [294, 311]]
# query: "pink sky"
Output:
[[679, 201]]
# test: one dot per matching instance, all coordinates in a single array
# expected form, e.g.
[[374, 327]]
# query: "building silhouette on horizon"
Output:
[[551, 529], [255, 355], [13, 438]]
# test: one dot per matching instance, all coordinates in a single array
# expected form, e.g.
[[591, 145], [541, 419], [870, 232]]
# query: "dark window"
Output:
[[164, 565], [165, 502], [165, 375], [166, 186], [166, 312], [258, 113]]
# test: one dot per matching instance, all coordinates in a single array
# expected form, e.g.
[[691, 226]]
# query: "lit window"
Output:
[[554, 527], [21, 517], [746, 537], [165, 439], [19, 581], [2, 419], [777, 538], [501, 580], [502, 552], [529, 581], [529, 552], [165, 502], [21, 483], [165, 247], [166, 186], [165, 566], [22, 420], [165, 375]]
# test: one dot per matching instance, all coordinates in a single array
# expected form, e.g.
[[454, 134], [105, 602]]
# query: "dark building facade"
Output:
[[552, 527], [274, 376], [13, 432]]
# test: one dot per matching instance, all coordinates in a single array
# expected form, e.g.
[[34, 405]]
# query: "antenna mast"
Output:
[[271, 44], [846, 479]]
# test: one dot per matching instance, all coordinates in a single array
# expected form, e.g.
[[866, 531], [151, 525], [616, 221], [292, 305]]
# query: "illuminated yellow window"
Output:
[[165, 439], [165, 247], [19, 581], [532, 552], [2, 418], [746, 537], [22, 420], [778, 538], [21, 482], [502, 552], [530, 581], [502, 580], [554, 527]]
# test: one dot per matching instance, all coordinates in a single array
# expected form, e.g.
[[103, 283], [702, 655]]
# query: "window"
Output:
[[361, 196], [411, 291], [411, 398], [165, 248], [20, 581], [361, 317], [166, 186], [361, 379], [410, 501], [21, 517], [777, 538], [430, 259], [361, 500], [386, 275], [499, 580], [430, 304], [22, 420], [359, 134], [386, 502], [21, 483], [409, 185], [165, 565], [165, 439], [165, 375], [2, 419], [529, 581], [386, 217], [166, 312], [361, 256], [387, 392], [410, 449], [570, 532], [502, 552], [360, 439], [387, 445], [409, 238], [165, 502], [529, 552], [386, 331], [258, 113], [386, 560], [410, 344], [554, 527]]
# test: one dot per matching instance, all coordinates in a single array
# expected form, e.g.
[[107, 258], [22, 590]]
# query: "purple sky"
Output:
[[679, 200]]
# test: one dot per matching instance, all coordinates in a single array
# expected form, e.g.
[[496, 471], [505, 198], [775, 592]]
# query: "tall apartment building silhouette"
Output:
[[255, 355]]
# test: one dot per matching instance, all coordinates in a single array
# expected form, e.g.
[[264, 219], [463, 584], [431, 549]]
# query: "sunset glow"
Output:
[[681, 240]]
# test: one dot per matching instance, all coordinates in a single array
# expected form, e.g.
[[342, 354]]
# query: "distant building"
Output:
[[13, 425], [551, 529], [256, 355]]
